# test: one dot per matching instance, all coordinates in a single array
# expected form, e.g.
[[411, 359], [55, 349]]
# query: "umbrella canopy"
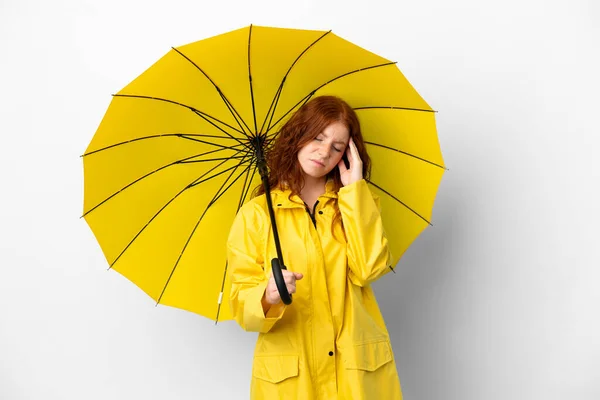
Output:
[[175, 156]]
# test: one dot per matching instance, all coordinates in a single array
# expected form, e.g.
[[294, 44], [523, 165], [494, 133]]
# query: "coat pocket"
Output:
[[275, 368], [368, 356]]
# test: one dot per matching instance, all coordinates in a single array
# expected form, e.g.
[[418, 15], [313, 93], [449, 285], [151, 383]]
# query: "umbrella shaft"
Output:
[[265, 179]]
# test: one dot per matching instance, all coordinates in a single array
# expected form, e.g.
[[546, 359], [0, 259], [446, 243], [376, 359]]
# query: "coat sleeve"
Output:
[[368, 252], [246, 268]]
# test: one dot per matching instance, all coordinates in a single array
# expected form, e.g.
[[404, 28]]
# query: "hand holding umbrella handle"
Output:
[[286, 297]]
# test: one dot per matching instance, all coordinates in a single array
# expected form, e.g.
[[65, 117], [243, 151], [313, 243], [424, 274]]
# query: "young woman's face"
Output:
[[321, 155]]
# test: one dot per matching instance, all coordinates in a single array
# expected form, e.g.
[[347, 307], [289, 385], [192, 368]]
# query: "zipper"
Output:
[[312, 214]]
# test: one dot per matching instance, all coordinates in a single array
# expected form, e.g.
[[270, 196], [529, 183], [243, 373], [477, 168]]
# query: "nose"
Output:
[[323, 151]]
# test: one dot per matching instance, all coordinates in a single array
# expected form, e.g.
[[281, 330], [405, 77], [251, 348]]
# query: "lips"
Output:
[[320, 164]]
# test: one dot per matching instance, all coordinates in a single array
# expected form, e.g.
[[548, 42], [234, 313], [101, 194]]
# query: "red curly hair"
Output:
[[304, 126]]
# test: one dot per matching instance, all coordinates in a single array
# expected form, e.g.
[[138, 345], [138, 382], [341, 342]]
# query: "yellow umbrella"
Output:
[[175, 155]]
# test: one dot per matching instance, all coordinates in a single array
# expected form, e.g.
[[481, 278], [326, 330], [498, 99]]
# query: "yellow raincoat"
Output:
[[331, 342]]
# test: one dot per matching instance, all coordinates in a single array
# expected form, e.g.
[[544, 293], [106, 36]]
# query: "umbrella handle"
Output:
[[286, 297]]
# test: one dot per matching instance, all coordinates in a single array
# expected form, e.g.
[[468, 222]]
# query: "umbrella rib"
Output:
[[230, 106], [406, 153], [274, 102], [277, 96], [394, 108], [250, 80], [244, 193], [309, 95], [199, 113], [222, 290], [153, 172], [202, 115], [191, 135], [216, 197], [211, 159], [400, 201], [247, 188], [214, 176], [167, 204], [158, 136], [192, 138]]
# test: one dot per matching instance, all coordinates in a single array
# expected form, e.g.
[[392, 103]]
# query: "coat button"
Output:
[[331, 353], [320, 212], [278, 205]]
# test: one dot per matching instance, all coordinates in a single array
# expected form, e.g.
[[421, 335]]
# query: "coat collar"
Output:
[[282, 199]]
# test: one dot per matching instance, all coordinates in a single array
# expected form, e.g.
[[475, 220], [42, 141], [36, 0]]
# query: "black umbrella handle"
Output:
[[276, 266]]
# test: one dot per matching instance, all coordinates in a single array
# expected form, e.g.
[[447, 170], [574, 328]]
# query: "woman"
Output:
[[331, 342]]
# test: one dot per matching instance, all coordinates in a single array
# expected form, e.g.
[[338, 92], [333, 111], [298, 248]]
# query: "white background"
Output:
[[499, 300]]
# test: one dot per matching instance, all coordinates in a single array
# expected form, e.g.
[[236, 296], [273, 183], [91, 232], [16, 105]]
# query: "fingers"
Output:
[[291, 289], [289, 278], [354, 151], [354, 172], [342, 166], [352, 154], [349, 153]]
